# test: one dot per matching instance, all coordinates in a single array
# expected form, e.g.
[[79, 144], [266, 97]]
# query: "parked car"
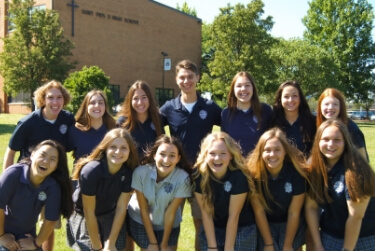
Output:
[[357, 115], [372, 117]]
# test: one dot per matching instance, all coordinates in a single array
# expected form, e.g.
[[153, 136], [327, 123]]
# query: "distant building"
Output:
[[125, 38]]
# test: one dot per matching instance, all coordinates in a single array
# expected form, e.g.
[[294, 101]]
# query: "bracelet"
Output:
[[268, 245], [36, 245], [212, 248]]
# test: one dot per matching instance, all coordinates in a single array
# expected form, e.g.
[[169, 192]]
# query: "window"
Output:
[[21, 97], [31, 11], [163, 95]]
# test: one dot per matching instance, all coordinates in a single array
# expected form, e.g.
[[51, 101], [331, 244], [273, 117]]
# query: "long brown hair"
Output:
[[83, 120], [307, 119], [255, 103], [100, 151], [359, 176], [131, 115], [331, 92], [258, 169], [237, 163]]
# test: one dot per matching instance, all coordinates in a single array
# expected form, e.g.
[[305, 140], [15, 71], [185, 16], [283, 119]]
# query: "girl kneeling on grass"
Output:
[[41, 181], [222, 188], [161, 186], [102, 197]]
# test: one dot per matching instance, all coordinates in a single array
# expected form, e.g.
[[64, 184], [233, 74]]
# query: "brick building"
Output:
[[125, 38]]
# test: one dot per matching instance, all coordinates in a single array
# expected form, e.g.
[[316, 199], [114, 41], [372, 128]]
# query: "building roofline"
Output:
[[166, 6]]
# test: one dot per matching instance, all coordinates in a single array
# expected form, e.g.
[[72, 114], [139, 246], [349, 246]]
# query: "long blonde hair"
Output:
[[237, 163], [258, 170], [100, 151]]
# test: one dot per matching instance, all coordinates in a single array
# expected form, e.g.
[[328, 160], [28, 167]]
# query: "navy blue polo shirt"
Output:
[[357, 135], [95, 180], [192, 127], [288, 183], [242, 126], [335, 214], [22, 202], [144, 134], [293, 132], [33, 129], [234, 182], [83, 142]]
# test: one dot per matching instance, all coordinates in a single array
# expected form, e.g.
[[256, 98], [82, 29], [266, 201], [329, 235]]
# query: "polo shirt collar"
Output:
[[284, 170], [337, 168], [180, 106], [24, 178], [250, 110], [105, 170], [154, 174]]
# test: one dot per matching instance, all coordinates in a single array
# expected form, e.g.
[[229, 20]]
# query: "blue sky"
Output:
[[287, 14]]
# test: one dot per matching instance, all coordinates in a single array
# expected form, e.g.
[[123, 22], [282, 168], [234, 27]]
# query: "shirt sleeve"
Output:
[[299, 184], [19, 135], [183, 189], [137, 182], [8, 183], [89, 179], [126, 184]]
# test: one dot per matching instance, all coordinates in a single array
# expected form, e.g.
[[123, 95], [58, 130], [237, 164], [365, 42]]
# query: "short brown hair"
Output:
[[40, 93]]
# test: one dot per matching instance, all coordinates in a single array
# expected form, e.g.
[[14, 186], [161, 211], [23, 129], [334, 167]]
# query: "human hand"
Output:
[[269, 248], [9, 241], [153, 247], [108, 246]]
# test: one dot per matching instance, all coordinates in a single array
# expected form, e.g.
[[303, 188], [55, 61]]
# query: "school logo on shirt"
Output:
[[339, 185], [203, 114], [63, 128], [168, 187], [288, 187], [42, 196], [227, 186], [152, 126], [122, 178], [255, 119]]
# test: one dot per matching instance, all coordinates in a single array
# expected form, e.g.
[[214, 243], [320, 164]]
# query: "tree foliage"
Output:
[[343, 28], [35, 50], [79, 83], [237, 40], [310, 65], [186, 9]]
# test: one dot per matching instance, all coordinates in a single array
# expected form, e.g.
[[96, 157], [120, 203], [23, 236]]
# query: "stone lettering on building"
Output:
[[111, 17]]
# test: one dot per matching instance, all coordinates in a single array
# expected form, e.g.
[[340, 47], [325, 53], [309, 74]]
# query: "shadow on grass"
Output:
[[5, 128]]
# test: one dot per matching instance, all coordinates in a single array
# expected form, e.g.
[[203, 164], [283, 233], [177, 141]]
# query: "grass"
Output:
[[186, 240]]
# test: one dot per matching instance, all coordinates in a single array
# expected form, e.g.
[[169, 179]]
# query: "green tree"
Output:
[[310, 65], [343, 28], [35, 50], [79, 83], [186, 9], [239, 40]]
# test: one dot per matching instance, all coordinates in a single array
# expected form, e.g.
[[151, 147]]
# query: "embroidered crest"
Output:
[[288, 187], [152, 126], [255, 119], [227, 186], [122, 178], [203, 114], [339, 185], [168, 187], [42, 196], [63, 128]]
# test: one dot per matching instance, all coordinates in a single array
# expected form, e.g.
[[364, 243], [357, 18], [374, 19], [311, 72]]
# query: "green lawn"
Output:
[[186, 241]]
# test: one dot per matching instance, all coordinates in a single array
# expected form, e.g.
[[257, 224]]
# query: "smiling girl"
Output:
[[221, 189], [245, 119], [103, 193], [342, 185], [278, 170], [161, 186], [42, 181], [140, 115], [93, 121]]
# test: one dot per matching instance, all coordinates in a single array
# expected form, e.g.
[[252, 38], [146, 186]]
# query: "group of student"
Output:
[[271, 179]]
